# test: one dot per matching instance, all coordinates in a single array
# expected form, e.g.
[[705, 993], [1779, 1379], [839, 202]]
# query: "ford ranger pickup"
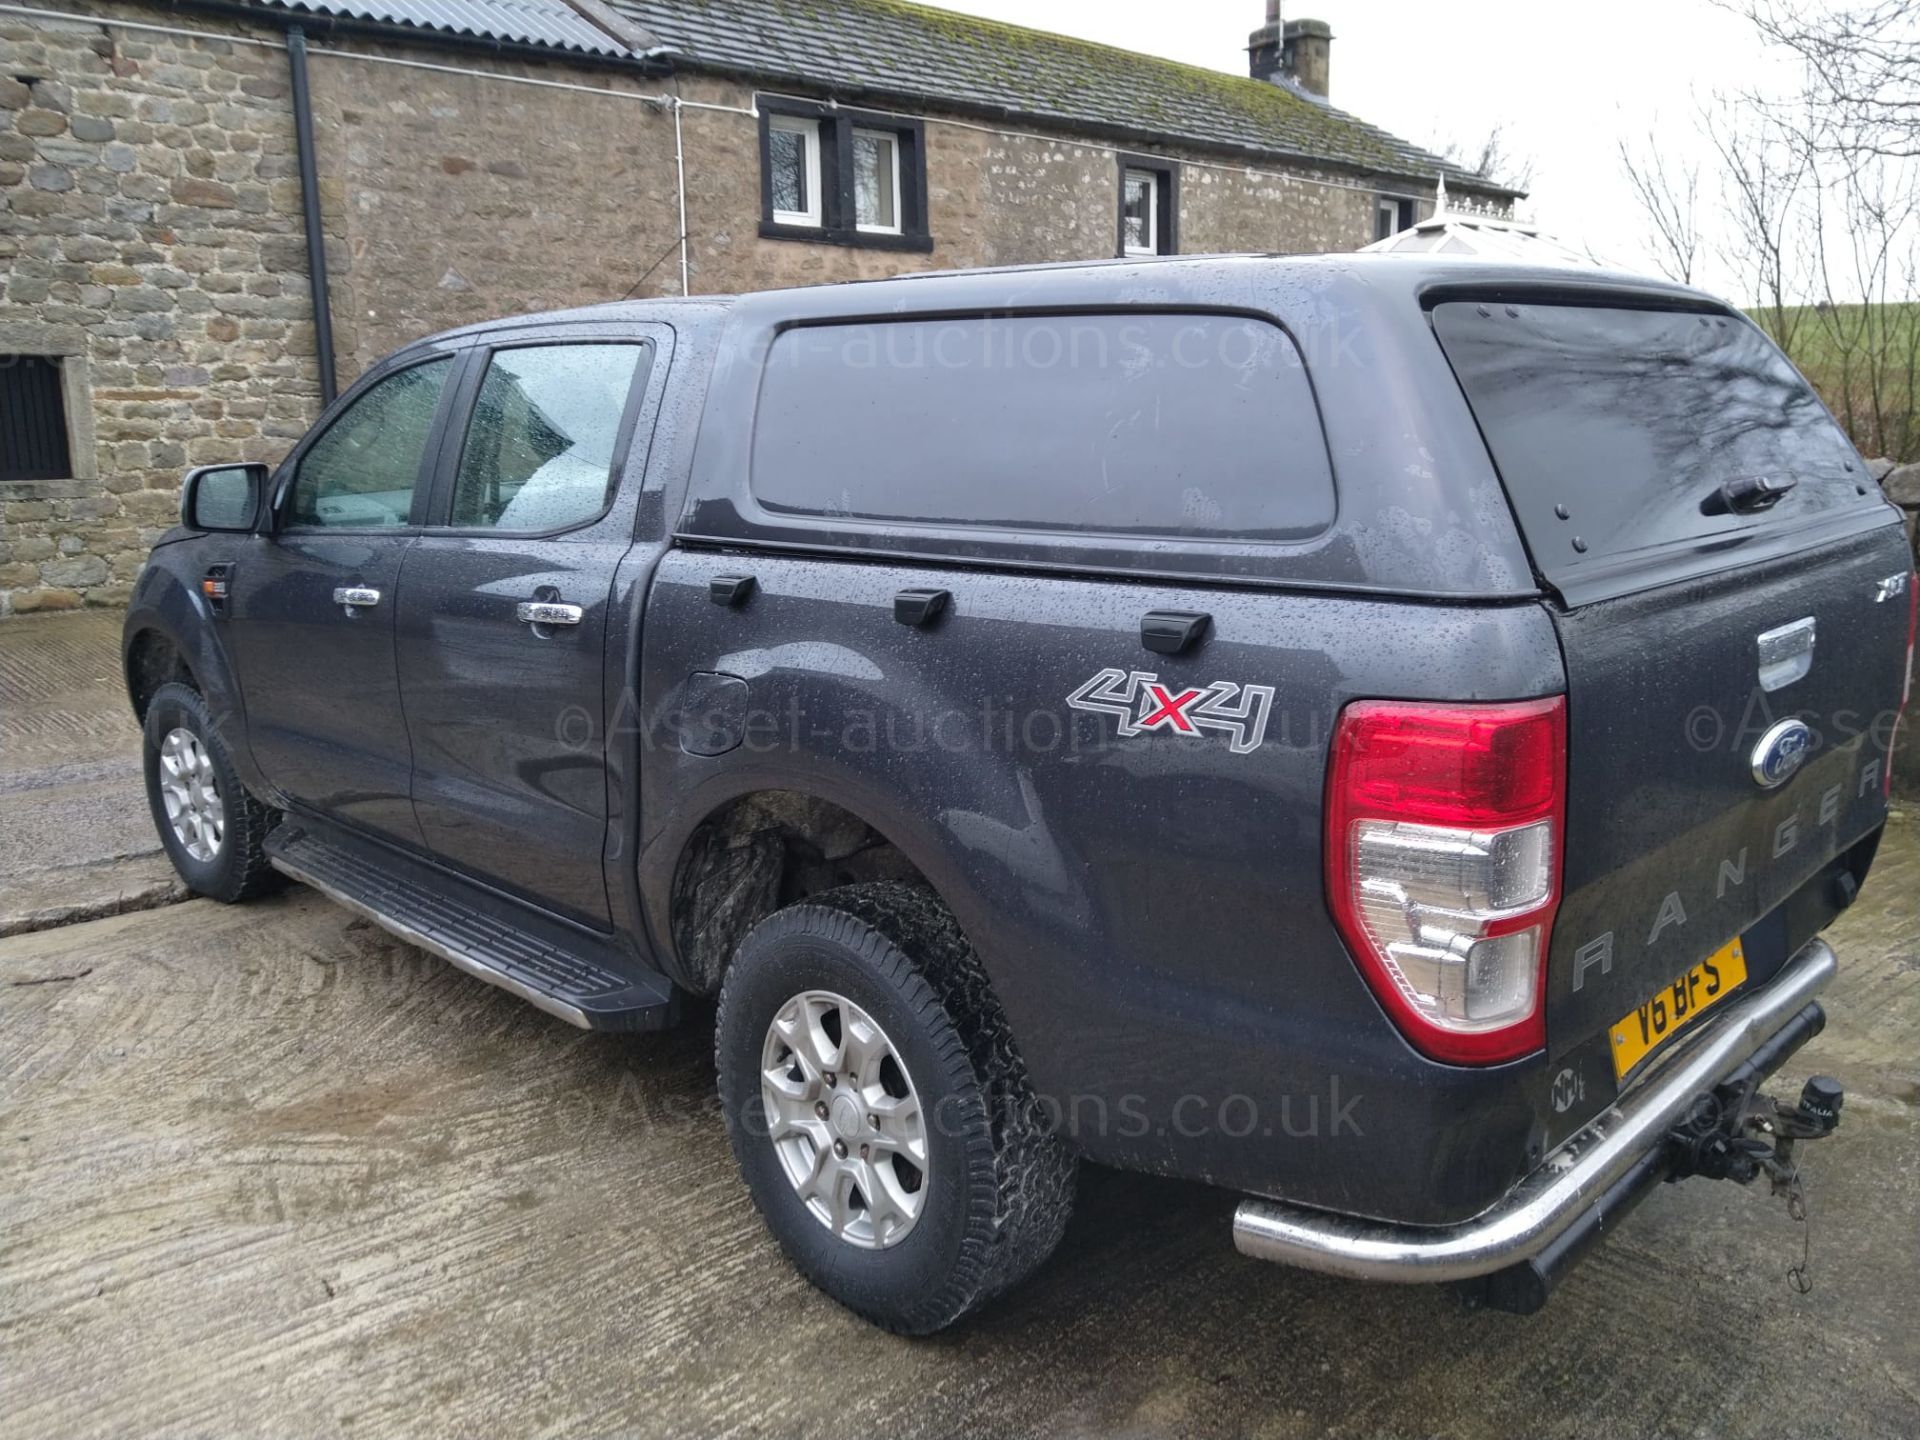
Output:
[[1378, 735]]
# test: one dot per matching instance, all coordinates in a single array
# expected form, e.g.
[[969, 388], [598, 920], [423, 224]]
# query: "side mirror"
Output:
[[222, 497]]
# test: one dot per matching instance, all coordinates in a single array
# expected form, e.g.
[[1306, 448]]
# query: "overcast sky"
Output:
[[1564, 80]]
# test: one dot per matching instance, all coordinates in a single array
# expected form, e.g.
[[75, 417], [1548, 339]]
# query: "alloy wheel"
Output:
[[845, 1120], [192, 795]]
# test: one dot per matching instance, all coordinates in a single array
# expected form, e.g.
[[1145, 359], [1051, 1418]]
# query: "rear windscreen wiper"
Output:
[[1747, 495]]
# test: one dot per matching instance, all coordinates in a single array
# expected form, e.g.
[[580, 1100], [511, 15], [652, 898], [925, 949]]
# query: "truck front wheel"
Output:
[[879, 1112], [211, 828]]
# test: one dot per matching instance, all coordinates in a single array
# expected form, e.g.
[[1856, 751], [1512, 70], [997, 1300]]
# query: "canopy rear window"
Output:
[[1616, 431]]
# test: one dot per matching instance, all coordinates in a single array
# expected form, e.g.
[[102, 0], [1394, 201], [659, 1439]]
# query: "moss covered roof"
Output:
[[892, 48]]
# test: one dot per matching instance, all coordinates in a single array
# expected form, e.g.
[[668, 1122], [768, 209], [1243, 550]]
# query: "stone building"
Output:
[[169, 171]]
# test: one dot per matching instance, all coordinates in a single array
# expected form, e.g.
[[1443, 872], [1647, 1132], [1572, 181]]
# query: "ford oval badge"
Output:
[[1781, 751]]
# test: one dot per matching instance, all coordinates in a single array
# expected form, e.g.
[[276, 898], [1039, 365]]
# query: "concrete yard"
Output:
[[265, 1170], [76, 841]]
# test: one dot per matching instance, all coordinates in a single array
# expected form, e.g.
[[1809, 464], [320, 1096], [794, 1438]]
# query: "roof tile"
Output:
[[920, 54], [891, 47]]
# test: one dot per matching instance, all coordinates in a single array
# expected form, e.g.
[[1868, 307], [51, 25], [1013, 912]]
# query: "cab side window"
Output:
[[540, 449], [1183, 427], [361, 473]]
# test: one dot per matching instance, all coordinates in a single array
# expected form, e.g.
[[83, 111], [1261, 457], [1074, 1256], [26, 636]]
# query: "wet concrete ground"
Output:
[[76, 841], [267, 1170]]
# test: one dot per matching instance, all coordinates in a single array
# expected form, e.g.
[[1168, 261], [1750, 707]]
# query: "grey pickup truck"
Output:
[[1377, 735]]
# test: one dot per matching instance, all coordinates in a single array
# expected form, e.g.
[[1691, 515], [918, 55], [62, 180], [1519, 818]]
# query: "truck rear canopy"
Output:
[[1638, 446]]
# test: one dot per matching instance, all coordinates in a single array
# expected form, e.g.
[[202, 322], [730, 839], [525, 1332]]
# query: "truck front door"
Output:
[[313, 604]]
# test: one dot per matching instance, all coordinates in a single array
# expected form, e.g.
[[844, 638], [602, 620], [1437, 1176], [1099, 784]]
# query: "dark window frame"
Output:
[[36, 430], [1670, 530], [837, 226], [1166, 202], [1405, 215]]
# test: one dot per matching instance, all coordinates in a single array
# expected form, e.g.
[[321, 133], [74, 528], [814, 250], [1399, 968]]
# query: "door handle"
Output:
[[548, 612], [356, 597]]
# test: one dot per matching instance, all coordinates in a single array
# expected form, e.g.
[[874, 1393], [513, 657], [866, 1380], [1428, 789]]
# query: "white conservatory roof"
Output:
[[1465, 233]]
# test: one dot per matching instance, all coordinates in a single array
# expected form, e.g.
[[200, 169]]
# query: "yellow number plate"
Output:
[[1670, 1010]]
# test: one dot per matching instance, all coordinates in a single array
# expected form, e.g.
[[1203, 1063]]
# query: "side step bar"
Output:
[[1583, 1180], [561, 980]]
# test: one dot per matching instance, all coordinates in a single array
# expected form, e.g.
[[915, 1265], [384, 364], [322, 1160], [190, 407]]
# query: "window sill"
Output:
[[72, 487], [852, 239]]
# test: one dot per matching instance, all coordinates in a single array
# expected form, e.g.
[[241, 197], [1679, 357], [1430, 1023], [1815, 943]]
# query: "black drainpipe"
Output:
[[310, 212]]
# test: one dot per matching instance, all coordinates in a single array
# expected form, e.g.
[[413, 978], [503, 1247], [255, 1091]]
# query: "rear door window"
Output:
[[1615, 431], [1186, 426], [540, 448]]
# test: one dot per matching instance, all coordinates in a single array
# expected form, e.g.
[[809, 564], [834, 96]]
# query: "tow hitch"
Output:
[[1729, 1132], [1682, 1118], [1724, 1136], [1738, 1134]]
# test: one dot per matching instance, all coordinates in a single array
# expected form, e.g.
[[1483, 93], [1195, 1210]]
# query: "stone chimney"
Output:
[[1305, 48], [1291, 52], [1263, 46]]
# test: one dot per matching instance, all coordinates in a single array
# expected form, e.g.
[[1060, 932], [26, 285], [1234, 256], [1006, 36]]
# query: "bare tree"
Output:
[[1765, 180], [1492, 158], [1669, 197], [1862, 63], [1836, 161], [1862, 236]]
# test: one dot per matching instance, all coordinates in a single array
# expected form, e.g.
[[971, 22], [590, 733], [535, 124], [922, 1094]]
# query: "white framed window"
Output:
[[1140, 213], [1390, 217], [876, 181], [835, 176], [793, 169]]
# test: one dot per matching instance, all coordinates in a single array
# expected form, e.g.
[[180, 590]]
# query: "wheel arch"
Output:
[[757, 851], [151, 660], [171, 636]]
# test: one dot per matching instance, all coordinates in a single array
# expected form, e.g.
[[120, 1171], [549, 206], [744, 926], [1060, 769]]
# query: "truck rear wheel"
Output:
[[878, 1109], [211, 828]]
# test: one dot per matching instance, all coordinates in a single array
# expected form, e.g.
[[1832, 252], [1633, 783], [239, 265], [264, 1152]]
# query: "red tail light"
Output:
[[1445, 829]]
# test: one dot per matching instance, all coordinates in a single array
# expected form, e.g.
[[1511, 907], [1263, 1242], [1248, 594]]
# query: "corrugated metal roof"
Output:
[[890, 47], [548, 24]]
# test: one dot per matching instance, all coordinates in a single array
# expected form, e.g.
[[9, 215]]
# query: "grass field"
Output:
[[1865, 362]]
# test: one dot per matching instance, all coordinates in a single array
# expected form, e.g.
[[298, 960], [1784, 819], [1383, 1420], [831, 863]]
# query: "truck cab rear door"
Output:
[[504, 611]]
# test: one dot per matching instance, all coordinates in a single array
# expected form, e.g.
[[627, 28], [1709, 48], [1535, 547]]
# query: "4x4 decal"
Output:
[[1143, 704]]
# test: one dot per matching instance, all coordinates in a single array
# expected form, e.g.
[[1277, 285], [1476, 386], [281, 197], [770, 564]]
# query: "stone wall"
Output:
[[151, 235], [453, 198]]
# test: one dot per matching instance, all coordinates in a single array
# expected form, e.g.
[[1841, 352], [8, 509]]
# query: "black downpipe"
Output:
[[310, 213]]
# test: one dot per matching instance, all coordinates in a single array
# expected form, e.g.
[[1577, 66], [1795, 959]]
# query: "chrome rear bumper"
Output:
[[1563, 1191]]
